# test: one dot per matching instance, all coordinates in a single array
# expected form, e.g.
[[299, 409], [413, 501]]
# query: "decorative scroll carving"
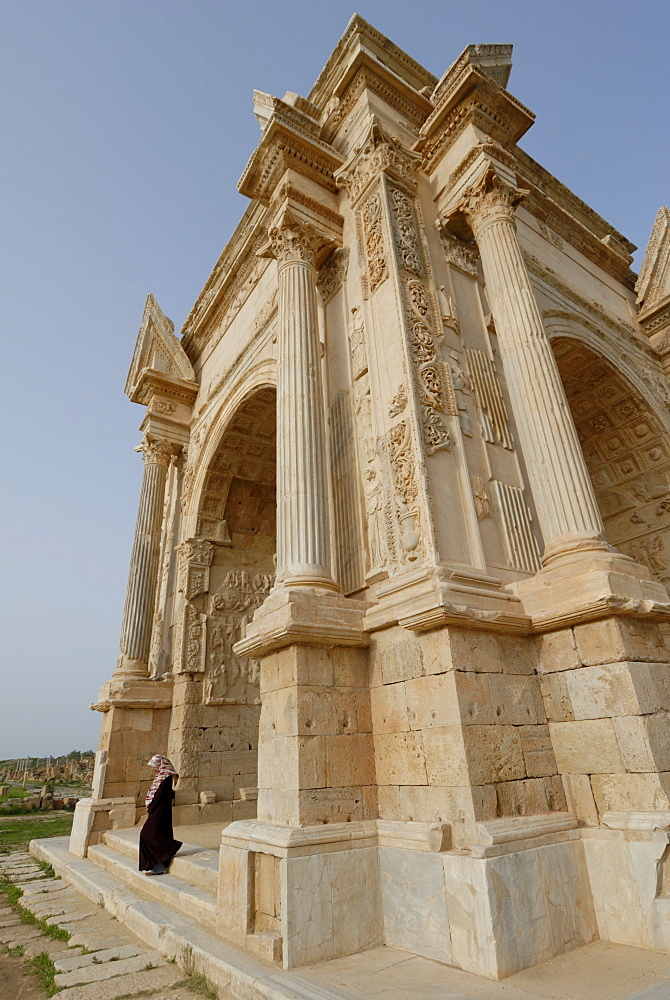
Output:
[[458, 254], [194, 641], [333, 272], [370, 227], [433, 384], [404, 232], [489, 399], [514, 519], [402, 463], [232, 679]]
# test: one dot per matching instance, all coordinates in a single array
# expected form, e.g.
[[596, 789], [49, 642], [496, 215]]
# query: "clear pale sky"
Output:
[[126, 127]]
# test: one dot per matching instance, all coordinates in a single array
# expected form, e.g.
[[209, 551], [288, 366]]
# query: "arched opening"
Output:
[[627, 452], [237, 513]]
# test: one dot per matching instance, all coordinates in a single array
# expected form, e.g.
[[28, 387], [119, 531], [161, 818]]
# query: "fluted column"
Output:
[[303, 530], [143, 575], [566, 504]]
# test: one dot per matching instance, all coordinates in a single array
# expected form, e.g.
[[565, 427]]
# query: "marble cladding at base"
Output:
[[414, 902], [630, 881], [513, 911], [329, 905]]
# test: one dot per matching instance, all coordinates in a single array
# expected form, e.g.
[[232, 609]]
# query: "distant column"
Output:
[[143, 575], [562, 489], [303, 529]]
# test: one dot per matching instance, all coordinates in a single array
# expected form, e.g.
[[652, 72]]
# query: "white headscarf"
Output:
[[163, 768]]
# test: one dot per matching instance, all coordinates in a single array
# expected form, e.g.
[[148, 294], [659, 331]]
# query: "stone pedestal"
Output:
[[92, 817]]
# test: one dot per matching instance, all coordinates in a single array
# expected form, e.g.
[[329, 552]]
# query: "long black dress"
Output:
[[157, 843]]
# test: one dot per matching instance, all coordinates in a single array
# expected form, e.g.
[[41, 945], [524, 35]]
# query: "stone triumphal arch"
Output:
[[397, 596]]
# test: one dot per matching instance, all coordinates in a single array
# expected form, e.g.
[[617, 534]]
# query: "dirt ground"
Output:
[[15, 984]]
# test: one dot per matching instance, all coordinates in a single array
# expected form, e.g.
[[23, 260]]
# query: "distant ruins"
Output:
[[397, 596]]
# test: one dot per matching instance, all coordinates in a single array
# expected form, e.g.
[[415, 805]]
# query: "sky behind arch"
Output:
[[126, 128]]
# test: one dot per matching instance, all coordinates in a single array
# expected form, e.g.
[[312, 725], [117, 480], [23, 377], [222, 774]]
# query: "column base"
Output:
[[128, 667], [433, 596], [290, 616], [134, 692], [586, 581]]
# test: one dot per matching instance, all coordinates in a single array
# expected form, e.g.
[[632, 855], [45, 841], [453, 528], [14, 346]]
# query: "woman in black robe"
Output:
[[157, 843]]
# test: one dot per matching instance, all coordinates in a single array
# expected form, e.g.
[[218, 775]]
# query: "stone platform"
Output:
[[153, 913]]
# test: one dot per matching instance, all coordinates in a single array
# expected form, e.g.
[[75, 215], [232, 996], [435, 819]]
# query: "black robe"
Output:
[[157, 843]]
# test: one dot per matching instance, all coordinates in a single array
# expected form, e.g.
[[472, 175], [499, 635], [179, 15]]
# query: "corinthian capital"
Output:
[[156, 451], [488, 200], [296, 242]]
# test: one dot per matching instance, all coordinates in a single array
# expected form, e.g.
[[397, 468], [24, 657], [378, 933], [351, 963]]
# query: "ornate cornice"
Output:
[[152, 382], [472, 92], [653, 284], [289, 141]]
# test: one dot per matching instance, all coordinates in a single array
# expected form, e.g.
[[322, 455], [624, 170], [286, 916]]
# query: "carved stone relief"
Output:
[[489, 399], [332, 272], [370, 224], [232, 679], [514, 520]]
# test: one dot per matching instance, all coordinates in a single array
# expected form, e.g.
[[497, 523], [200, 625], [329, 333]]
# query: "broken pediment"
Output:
[[653, 284], [159, 351]]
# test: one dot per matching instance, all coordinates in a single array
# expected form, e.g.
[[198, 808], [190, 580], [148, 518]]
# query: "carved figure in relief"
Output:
[[462, 387], [650, 552], [435, 433], [364, 418], [374, 510], [359, 351], [399, 401], [447, 310], [481, 498]]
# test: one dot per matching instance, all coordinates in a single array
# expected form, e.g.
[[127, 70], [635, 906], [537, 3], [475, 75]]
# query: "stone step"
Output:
[[125, 986], [193, 864], [228, 967], [190, 900], [108, 970], [68, 963]]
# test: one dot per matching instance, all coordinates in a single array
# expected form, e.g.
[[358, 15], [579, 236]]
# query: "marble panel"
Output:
[[414, 902], [330, 905]]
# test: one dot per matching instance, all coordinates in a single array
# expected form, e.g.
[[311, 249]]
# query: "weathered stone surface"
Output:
[[95, 973], [152, 979], [586, 747]]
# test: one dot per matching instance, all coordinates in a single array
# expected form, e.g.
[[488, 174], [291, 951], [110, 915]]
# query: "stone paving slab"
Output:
[[107, 970], [67, 964], [10, 921], [152, 979], [12, 936], [52, 946]]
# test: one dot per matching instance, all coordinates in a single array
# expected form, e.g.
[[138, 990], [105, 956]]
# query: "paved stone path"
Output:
[[101, 961]]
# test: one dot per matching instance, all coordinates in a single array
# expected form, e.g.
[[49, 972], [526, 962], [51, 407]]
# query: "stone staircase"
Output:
[[190, 887]]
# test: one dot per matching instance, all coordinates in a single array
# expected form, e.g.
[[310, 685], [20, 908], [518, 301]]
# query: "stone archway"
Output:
[[230, 569], [627, 451]]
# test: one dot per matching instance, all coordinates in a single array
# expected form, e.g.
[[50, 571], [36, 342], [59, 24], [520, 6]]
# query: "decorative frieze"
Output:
[[433, 384], [404, 232], [514, 520], [493, 419]]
